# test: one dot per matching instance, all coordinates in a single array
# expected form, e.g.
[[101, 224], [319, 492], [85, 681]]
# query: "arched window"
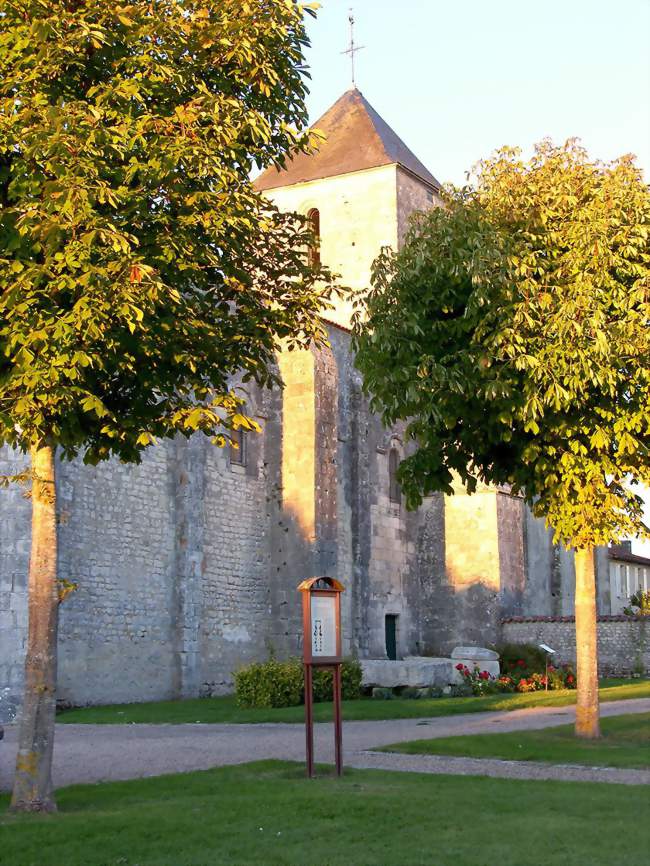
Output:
[[237, 454], [394, 490], [314, 250]]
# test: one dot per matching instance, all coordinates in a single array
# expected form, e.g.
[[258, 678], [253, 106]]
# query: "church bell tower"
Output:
[[358, 189]]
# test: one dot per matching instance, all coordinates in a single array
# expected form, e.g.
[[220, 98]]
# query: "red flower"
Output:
[[569, 679], [460, 666], [521, 663]]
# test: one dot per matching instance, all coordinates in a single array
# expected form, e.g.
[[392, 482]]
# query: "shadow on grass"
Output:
[[269, 813]]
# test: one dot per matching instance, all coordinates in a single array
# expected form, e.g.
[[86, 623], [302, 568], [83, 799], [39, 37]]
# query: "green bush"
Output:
[[270, 684], [523, 667], [350, 682], [515, 657], [351, 675], [281, 684]]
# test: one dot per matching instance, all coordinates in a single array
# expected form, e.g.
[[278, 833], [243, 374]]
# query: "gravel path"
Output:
[[438, 764], [94, 753]]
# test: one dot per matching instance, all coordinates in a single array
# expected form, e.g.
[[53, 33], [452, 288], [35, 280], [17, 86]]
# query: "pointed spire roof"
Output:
[[357, 138]]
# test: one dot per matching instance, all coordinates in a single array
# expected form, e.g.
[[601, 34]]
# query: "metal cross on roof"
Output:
[[352, 50]]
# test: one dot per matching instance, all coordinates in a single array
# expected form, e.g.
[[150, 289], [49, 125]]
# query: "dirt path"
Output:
[[94, 753]]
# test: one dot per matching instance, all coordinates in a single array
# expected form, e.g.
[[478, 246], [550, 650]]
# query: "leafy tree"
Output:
[[139, 269], [513, 332]]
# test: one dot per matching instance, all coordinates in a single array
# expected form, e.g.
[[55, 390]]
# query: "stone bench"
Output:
[[414, 671], [422, 671]]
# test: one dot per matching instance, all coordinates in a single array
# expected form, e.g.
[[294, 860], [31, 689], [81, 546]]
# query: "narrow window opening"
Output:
[[237, 448], [391, 636], [314, 250], [394, 490]]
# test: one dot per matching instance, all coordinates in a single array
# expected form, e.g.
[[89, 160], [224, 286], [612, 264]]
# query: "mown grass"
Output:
[[625, 742], [269, 813], [225, 710]]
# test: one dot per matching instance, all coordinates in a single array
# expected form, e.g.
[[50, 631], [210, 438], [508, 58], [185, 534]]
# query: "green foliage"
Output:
[[270, 684], [281, 684], [639, 604], [512, 654], [140, 271], [512, 333], [351, 675], [523, 667]]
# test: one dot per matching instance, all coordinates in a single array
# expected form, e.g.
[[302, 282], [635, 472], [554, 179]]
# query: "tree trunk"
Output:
[[33, 781], [587, 712]]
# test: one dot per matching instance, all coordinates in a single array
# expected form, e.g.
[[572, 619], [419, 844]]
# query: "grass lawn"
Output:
[[269, 814], [625, 742], [225, 710]]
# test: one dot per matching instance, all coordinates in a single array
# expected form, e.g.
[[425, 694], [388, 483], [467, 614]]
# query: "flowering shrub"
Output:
[[506, 683], [480, 682], [520, 679], [516, 656]]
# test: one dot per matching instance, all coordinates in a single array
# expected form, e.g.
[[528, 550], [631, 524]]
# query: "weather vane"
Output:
[[352, 50]]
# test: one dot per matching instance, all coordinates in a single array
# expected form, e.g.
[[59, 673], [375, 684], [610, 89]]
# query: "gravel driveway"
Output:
[[95, 753]]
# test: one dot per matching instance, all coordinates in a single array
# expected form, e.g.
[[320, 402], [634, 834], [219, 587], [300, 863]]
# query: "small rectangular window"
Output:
[[314, 251], [391, 636], [394, 489], [237, 448]]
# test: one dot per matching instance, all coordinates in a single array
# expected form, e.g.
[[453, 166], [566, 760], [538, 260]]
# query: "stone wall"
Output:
[[117, 542], [233, 585], [623, 642], [412, 195], [358, 216], [15, 539], [187, 565]]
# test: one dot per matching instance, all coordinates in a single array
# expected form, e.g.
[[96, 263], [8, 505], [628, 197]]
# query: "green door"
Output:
[[391, 636]]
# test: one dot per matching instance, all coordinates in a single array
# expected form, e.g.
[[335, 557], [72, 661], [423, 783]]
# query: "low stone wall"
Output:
[[623, 642], [416, 672]]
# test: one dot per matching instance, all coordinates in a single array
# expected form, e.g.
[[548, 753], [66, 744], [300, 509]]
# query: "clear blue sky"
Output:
[[457, 79]]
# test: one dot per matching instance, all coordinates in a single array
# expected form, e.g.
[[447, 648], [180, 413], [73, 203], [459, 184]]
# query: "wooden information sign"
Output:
[[321, 624]]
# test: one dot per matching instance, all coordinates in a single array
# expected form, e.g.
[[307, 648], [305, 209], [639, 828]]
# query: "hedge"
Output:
[[281, 684]]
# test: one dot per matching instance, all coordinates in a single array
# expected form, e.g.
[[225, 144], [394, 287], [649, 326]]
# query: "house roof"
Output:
[[621, 553], [357, 138]]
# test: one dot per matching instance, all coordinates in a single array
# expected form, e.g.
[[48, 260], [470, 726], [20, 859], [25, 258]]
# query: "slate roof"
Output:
[[621, 553], [357, 138]]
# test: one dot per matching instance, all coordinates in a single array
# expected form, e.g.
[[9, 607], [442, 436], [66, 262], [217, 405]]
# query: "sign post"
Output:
[[321, 625]]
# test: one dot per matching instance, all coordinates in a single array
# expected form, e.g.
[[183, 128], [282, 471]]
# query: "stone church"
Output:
[[187, 565]]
